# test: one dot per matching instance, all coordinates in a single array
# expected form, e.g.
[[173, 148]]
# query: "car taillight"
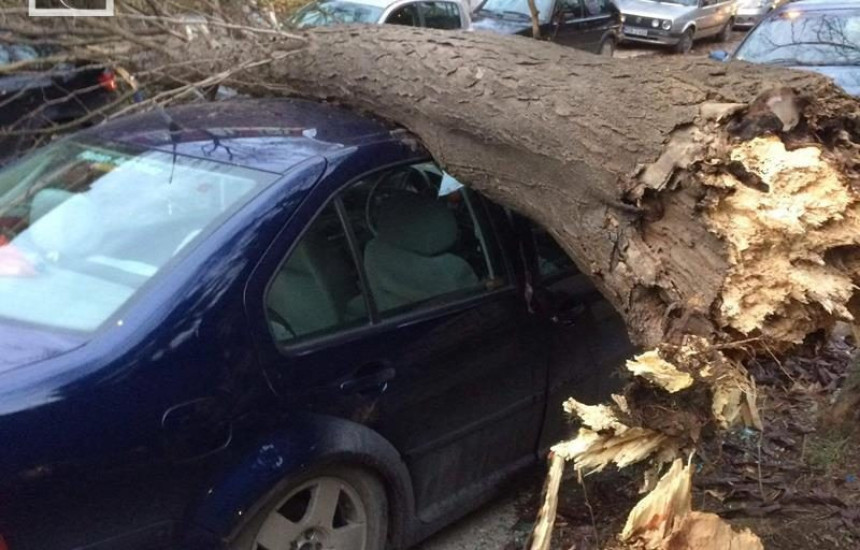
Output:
[[107, 80], [3, 545]]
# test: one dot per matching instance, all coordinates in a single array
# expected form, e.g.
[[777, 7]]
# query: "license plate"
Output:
[[635, 32]]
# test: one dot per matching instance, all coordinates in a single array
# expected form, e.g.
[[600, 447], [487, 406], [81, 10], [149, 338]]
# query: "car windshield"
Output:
[[516, 8], [805, 38], [83, 225], [335, 12]]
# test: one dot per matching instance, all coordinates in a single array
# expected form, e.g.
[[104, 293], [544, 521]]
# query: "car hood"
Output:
[[656, 10], [21, 346], [846, 76], [500, 26]]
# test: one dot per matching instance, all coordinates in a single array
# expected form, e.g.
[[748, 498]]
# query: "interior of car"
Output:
[[418, 235]]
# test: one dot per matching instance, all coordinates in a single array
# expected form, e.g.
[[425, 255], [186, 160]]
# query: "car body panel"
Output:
[[580, 31], [166, 426], [707, 18], [751, 12]]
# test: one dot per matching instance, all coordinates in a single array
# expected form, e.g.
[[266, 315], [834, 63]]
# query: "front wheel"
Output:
[[607, 47], [336, 509], [685, 44]]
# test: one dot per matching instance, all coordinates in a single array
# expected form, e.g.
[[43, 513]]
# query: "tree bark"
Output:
[[619, 159]]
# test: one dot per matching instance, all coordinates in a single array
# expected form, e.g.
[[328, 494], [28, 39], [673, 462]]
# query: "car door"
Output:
[[570, 27], [707, 20], [587, 339], [395, 309]]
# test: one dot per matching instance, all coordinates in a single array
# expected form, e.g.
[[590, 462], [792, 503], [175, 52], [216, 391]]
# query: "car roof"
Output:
[[819, 5], [266, 134]]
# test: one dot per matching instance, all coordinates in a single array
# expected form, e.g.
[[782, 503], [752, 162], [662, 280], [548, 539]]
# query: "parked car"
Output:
[[40, 95], [434, 14], [813, 35], [591, 25], [676, 23], [272, 324], [751, 12]]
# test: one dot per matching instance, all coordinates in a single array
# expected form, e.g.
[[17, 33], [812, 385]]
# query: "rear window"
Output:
[[83, 226]]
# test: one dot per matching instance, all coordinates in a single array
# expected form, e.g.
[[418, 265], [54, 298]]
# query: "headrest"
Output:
[[418, 224]]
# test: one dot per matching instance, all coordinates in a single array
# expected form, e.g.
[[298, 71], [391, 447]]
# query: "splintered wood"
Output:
[[619, 434], [664, 520], [792, 223]]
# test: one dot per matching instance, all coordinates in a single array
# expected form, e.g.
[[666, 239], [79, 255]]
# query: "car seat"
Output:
[[409, 260], [311, 291]]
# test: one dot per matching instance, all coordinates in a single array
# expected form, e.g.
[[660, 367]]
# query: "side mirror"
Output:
[[719, 55]]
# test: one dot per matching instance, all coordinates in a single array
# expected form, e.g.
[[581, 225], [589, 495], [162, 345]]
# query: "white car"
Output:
[[434, 14]]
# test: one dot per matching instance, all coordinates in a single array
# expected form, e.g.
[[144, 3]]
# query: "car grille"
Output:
[[640, 21]]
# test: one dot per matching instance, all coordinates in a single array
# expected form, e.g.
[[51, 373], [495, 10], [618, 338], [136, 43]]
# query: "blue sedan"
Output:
[[272, 325]]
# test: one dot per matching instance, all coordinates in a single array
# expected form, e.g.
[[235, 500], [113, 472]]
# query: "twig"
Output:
[[590, 510]]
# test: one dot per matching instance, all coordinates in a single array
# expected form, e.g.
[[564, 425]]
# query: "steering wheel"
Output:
[[401, 185]]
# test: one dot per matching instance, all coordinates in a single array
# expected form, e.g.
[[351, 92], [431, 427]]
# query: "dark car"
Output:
[[812, 35], [272, 324], [37, 93], [590, 25]]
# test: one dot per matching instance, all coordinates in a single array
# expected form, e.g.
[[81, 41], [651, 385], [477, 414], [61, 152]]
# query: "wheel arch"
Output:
[[306, 443]]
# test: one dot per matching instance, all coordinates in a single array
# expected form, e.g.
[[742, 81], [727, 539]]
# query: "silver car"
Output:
[[676, 23], [751, 12]]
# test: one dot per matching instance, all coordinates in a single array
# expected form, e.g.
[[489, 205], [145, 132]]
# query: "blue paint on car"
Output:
[[163, 414]]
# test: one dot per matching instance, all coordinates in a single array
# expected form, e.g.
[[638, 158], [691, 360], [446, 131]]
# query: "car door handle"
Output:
[[374, 378]]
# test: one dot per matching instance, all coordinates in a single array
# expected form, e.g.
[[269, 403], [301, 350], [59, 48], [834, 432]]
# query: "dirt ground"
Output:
[[795, 485]]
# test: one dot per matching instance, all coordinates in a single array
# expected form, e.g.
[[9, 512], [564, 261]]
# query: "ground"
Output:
[[796, 484]]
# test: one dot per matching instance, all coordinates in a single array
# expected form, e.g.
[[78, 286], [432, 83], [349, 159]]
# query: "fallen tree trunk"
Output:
[[643, 169], [714, 205]]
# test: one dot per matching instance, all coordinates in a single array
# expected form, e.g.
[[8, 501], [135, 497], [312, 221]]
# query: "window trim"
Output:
[[374, 321]]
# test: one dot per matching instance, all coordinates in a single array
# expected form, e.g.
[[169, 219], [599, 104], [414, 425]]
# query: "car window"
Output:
[[441, 15], [423, 239], [405, 15], [551, 258], [88, 222], [596, 7], [16, 52], [317, 290], [571, 9], [516, 9], [335, 12]]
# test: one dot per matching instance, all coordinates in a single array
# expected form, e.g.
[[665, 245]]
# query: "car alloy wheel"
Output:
[[607, 47], [323, 513], [686, 42]]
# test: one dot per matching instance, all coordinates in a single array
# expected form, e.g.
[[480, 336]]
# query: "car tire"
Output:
[[295, 513], [685, 44], [726, 32], [607, 47]]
